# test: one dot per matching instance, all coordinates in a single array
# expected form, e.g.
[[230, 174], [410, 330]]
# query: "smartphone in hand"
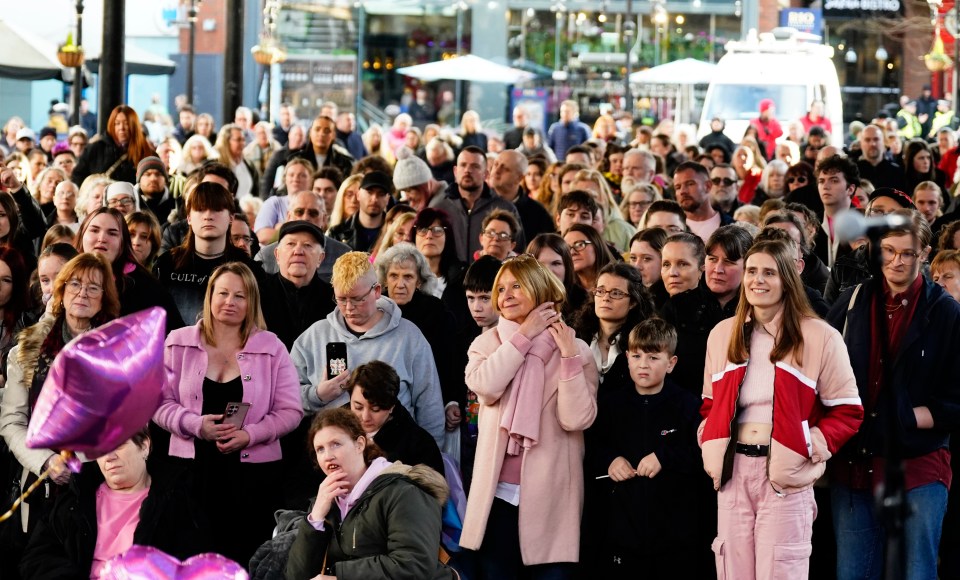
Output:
[[336, 358], [235, 414]]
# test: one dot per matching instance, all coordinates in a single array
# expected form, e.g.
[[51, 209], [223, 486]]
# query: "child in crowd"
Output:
[[478, 285], [645, 454]]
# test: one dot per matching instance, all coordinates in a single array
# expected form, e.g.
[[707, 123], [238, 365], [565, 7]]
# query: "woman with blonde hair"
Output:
[[397, 228], [90, 196], [195, 152], [470, 131], [550, 193], [346, 204], [46, 185], [616, 230], [225, 359], [375, 143], [536, 384]]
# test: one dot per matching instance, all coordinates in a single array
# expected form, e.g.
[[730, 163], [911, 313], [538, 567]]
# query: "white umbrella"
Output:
[[466, 68], [687, 71], [27, 57]]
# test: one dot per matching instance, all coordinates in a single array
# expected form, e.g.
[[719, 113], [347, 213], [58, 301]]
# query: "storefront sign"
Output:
[[809, 20], [863, 8], [309, 81]]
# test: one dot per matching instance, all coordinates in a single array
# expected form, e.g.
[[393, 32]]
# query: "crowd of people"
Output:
[[430, 352]]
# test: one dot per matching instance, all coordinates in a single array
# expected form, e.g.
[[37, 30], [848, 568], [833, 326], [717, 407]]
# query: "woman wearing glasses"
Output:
[[589, 252], [536, 384], [84, 297], [225, 359], [431, 232], [637, 198], [618, 303]]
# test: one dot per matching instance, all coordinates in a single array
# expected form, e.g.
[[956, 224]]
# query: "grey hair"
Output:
[[406, 252]]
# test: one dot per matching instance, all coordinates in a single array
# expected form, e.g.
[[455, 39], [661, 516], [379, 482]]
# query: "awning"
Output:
[[27, 57], [687, 71], [466, 68]]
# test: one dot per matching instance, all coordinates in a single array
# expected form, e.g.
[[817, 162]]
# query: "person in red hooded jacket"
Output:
[[768, 128]]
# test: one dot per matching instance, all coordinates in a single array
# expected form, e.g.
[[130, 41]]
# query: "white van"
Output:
[[787, 66]]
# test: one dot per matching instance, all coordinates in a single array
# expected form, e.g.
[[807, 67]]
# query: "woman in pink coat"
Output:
[[536, 384], [224, 359]]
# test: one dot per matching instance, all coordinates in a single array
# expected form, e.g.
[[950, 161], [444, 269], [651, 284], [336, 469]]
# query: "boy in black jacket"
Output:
[[645, 455]]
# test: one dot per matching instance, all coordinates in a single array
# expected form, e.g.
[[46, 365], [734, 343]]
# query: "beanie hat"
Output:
[[411, 172], [118, 188], [148, 163], [48, 132], [765, 104], [902, 199]]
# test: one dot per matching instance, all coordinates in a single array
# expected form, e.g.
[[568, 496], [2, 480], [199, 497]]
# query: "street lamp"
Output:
[[192, 46], [71, 55]]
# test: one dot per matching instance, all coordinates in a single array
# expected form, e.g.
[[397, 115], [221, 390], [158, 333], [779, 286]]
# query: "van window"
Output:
[[730, 102]]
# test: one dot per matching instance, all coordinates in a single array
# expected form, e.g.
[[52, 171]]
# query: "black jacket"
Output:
[[436, 323], [403, 440], [925, 372], [660, 510], [99, 156], [336, 157], [884, 174], [694, 313], [718, 138], [534, 218], [348, 233], [139, 290], [815, 272], [62, 545], [289, 310]]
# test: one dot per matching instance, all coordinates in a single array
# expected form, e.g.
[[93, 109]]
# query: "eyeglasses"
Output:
[[245, 240], [878, 212], [724, 181], [354, 301], [300, 212], [797, 179], [615, 294], [74, 286], [120, 202], [577, 247], [435, 230], [501, 236], [639, 204], [908, 257]]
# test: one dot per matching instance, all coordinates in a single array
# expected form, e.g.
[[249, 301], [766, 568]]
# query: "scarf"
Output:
[[521, 413]]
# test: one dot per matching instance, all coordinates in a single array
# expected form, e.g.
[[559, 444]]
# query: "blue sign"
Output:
[[803, 19]]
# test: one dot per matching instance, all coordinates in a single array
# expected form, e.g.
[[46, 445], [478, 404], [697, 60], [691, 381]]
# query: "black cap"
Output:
[[295, 226], [377, 179], [902, 199], [48, 131]]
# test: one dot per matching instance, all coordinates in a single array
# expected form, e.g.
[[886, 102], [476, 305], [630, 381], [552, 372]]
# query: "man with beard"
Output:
[[725, 188], [690, 183], [470, 201], [873, 164]]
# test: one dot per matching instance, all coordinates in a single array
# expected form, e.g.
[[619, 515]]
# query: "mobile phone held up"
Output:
[[235, 414], [336, 358]]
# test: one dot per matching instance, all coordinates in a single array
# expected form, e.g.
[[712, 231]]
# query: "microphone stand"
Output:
[[890, 496]]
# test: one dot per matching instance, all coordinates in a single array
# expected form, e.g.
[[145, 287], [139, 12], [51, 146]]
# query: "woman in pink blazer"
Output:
[[224, 359], [536, 384]]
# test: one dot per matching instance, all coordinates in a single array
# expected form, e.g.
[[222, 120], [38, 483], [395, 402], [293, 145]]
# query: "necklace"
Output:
[[209, 256], [891, 309]]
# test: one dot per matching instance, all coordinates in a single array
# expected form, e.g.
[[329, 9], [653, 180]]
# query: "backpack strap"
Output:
[[853, 300]]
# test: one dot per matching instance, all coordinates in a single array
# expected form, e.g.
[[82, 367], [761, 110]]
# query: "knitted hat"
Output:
[[148, 163], [411, 172], [765, 104], [119, 188], [48, 132]]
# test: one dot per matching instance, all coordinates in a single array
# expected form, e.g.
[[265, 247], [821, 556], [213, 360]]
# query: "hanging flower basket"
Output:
[[70, 56], [269, 52]]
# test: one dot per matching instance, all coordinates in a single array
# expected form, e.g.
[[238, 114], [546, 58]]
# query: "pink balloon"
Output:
[[103, 387], [149, 563]]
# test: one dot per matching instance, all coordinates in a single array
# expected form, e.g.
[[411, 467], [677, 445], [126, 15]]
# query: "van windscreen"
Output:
[[733, 102]]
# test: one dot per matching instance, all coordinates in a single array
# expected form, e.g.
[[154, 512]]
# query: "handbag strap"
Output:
[[853, 300], [109, 172]]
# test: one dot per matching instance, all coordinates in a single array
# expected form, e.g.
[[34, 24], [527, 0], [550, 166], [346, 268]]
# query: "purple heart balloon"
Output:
[[103, 387], [149, 563]]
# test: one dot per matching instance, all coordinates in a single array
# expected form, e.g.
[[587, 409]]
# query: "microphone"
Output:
[[850, 225]]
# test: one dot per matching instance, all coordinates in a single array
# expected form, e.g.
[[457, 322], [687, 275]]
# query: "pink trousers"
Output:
[[762, 535]]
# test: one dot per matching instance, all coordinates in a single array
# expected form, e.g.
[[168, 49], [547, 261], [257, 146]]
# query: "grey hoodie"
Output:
[[395, 341]]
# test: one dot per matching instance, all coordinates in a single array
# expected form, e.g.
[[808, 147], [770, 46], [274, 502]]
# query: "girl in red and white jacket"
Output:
[[780, 398]]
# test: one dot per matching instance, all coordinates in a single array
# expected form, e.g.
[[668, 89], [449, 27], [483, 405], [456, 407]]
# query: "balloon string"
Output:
[[26, 493]]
